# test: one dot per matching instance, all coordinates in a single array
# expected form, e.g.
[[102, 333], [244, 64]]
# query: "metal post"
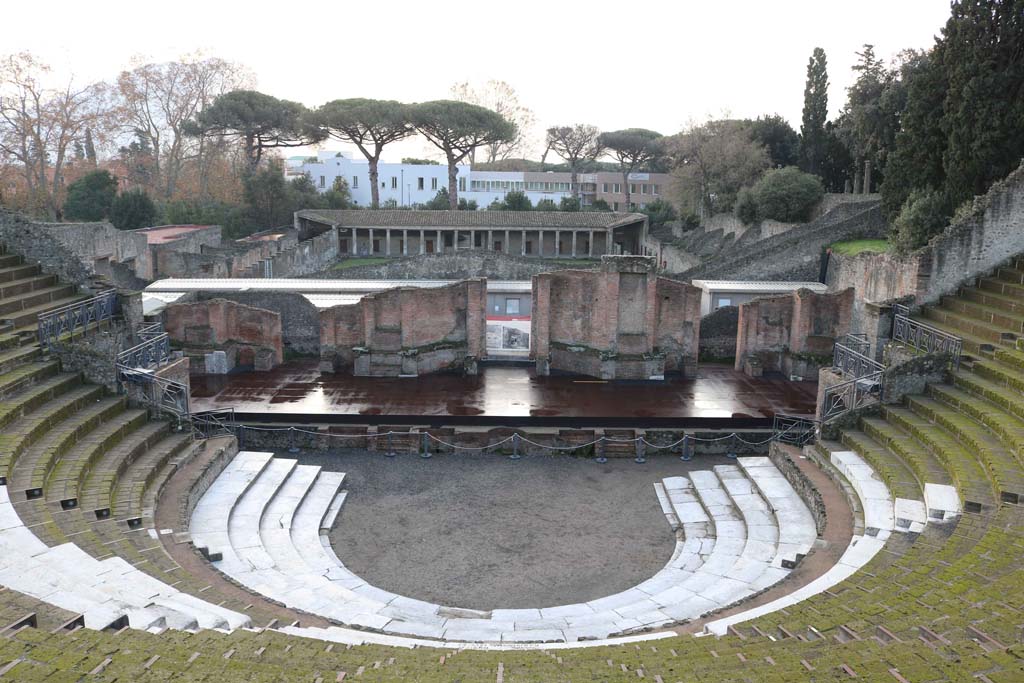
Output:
[[732, 451], [292, 448], [600, 452], [640, 459], [425, 453], [391, 448], [687, 455], [515, 447]]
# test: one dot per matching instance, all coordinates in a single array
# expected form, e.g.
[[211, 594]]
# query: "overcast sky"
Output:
[[641, 64]]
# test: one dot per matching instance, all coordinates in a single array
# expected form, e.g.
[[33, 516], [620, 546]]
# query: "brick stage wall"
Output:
[[215, 323]]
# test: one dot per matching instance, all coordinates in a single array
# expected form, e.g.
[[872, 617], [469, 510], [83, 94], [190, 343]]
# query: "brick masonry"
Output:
[[793, 333], [407, 331], [247, 335], [618, 322], [460, 265]]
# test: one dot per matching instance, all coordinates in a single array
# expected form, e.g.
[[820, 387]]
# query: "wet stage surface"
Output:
[[501, 395]]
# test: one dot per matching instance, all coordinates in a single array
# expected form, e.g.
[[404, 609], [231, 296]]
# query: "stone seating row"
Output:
[[263, 523]]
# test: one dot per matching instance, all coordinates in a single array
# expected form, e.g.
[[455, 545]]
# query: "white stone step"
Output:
[[666, 506], [797, 529], [876, 500], [247, 515]]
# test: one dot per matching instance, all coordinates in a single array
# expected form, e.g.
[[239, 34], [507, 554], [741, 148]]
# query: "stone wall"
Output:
[[979, 241], [792, 333], [245, 335], [460, 265], [407, 331], [792, 255], [164, 254], [300, 320], [619, 322], [305, 258], [780, 455], [718, 334], [40, 243]]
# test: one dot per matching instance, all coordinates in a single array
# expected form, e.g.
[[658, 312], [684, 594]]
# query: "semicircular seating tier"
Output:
[[739, 530]]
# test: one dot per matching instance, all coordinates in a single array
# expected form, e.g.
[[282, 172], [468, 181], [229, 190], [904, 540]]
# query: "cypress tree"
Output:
[[815, 114]]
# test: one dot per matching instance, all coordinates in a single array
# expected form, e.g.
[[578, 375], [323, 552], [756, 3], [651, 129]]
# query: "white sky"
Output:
[[672, 62]]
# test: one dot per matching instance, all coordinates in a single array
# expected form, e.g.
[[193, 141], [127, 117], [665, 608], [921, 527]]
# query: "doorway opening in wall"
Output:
[[478, 239], [376, 247], [448, 240], [430, 246], [497, 245], [343, 246], [401, 246], [529, 246]]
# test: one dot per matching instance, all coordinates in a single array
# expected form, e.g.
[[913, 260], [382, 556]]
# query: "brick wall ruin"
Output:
[[618, 322], [407, 331], [793, 333], [218, 335]]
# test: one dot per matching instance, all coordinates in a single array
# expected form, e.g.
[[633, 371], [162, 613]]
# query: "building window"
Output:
[[322, 182], [617, 188], [723, 302], [643, 189], [632, 188], [433, 183], [511, 306], [654, 189], [604, 187], [615, 206], [462, 184], [419, 183], [394, 182], [355, 182]]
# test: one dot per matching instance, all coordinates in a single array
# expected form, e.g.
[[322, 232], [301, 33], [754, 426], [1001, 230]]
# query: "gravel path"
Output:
[[485, 532]]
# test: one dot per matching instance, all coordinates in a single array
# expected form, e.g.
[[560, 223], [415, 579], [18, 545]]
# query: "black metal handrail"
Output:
[[852, 394], [164, 394], [796, 430], [68, 319], [151, 353], [847, 361], [923, 337], [210, 423]]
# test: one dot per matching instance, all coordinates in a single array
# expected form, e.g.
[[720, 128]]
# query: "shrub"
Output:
[[90, 197], [659, 212], [132, 209], [924, 214], [517, 200], [570, 204], [546, 205], [787, 194], [746, 207]]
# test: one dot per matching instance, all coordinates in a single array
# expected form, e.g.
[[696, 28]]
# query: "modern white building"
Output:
[[409, 184], [717, 294]]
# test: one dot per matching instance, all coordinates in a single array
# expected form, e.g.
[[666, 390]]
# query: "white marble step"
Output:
[[102, 591], [875, 498], [247, 515], [666, 506], [755, 566], [797, 529], [209, 524]]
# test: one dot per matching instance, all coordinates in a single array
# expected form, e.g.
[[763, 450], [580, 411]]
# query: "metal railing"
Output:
[[150, 354], [211, 423], [796, 430], [847, 361], [850, 395], [858, 342], [66, 320], [166, 395], [924, 337]]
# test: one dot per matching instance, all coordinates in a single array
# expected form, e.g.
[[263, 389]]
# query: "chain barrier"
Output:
[[640, 443]]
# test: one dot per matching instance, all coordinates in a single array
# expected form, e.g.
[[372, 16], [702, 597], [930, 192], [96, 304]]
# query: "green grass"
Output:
[[854, 247], [354, 262]]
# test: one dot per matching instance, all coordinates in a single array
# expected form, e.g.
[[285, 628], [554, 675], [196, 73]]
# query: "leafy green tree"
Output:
[[133, 209], [267, 198], [260, 122], [746, 207], [659, 212], [440, 201], [925, 213], [599, 205], [91, 196], [545, 205], [815, 113], [575, 144], [836, 169], [869, 123], [369, 125], [516, 200], [339, 196], [569, 204], [469, 205], [786, 194], [413, 161], [778, 138], [457, 129], [632, 148]]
